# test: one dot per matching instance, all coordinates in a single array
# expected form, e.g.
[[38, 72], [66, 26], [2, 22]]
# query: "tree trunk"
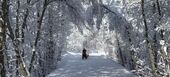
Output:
[[17, 33], [40, 19], [163, 47], [132, 62], [148, 47], [25, 21], [120, 55], [155, 44], [2, 48], [21, 64]]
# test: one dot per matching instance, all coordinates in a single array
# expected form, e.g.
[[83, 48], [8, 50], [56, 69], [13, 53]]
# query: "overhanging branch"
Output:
[[105, 7]]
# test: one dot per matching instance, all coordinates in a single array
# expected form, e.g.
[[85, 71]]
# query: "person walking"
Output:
[[84, 54]]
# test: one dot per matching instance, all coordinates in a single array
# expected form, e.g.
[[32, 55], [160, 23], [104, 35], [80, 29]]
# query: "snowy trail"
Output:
[[95, 66]]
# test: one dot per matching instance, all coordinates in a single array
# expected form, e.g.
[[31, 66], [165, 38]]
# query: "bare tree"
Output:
[[132, 61], [120, 54], [17, 33], [38, 33], [148, 46], [24, 24], [20, 62], [2, 47]]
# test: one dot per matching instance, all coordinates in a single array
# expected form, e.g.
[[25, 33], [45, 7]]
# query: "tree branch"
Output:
[[105, 7]]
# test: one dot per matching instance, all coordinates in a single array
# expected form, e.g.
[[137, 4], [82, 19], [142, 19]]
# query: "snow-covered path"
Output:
[[95, 66]]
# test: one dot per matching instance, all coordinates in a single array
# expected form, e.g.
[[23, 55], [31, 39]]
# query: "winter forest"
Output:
[[122, 38]]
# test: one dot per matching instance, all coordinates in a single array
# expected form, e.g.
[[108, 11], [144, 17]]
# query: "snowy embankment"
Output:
[[95, 66]]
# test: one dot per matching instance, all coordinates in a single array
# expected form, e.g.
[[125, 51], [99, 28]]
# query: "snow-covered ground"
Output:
[[96, 65]]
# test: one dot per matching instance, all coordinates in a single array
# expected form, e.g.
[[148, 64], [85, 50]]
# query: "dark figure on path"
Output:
[[84, 54]]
